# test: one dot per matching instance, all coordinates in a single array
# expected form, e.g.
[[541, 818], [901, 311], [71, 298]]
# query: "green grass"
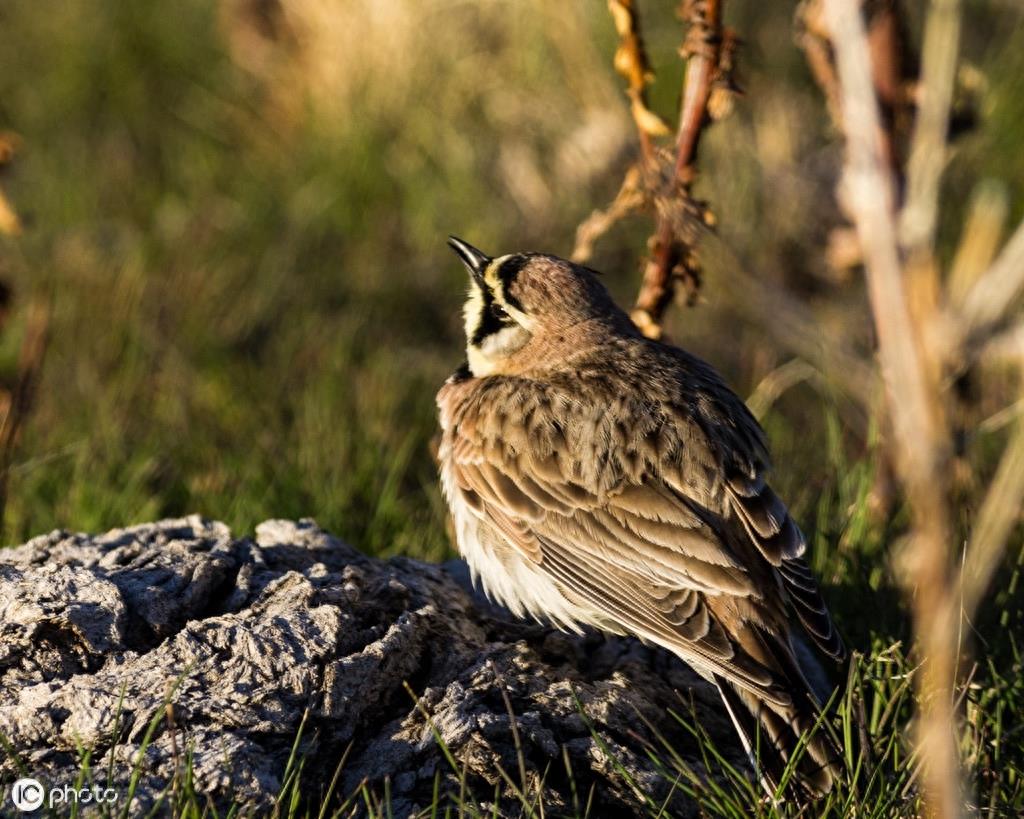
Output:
[[254, 306], [253, 303]]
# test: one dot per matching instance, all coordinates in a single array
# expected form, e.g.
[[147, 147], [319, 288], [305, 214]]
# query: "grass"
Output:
[[254, 306]]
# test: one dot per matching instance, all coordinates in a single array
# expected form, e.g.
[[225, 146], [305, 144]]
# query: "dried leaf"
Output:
[[631, 62], [649, 122]]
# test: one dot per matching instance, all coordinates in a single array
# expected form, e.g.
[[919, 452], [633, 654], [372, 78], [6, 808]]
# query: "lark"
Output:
[[599, 478]]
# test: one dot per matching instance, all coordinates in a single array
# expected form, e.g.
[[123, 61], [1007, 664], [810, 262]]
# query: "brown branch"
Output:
[[888, 49], [662, 180], [892, 73], [891, 69], [628, 200], [672, 252]]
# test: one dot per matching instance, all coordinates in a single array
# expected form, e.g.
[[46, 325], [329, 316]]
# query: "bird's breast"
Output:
[[520, 585]]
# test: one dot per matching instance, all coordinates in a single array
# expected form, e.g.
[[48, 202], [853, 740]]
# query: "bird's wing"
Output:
[[780, 542], [745, 498], [608, 510]]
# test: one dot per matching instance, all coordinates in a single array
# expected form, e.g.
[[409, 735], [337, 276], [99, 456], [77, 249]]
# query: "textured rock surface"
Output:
[[244, 636]]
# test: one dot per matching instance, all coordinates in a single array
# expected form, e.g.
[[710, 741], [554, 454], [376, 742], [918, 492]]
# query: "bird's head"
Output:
[[525, 309]]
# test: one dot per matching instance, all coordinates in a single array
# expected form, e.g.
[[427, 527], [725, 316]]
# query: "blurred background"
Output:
[[234, 213], [239, 208]]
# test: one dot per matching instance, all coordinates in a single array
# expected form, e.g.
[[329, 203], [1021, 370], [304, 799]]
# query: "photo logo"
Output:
[[27, 794]]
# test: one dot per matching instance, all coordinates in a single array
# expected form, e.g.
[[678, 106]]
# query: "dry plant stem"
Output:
[[632, 63], [928, 148], [888, 50], [997, 517], [914, 408], [656, 289], [887, 47], [628, 200], [812, 37], [979, 241], [928, 159], [994, 292], [783, 378]]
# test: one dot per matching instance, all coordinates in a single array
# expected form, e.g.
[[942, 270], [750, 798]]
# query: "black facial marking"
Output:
[[509, 269], [493, 319], [507, 272]]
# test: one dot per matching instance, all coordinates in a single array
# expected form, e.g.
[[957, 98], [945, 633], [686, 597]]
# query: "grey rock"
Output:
[[147, 645]]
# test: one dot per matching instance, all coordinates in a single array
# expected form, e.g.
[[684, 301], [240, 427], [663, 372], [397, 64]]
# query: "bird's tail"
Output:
[[789, 737]]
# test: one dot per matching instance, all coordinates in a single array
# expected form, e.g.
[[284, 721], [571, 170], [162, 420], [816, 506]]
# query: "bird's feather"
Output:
[[636, 538]]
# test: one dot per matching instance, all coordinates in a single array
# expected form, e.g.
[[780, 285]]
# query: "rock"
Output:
[[389, 665]]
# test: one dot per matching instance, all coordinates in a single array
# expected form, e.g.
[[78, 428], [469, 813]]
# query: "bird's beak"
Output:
[[474, 260]]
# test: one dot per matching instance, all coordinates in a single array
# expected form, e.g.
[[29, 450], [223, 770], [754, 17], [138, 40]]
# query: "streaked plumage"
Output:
[[599, 478]]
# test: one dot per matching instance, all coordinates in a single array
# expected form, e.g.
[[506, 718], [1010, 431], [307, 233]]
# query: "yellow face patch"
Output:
[[492, 338], [491, 273], [496, 284]]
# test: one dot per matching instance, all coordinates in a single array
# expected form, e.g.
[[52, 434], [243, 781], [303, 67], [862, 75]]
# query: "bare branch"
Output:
[[998, 514], [868, 190], [993, 294], [672, 256], [928, 150], [628, 200], [979, 241], [914, 403]]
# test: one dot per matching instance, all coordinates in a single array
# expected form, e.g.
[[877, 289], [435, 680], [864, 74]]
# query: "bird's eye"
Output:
[[498, 312]]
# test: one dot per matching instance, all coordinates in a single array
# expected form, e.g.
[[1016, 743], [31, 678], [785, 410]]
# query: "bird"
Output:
[[596, 477]]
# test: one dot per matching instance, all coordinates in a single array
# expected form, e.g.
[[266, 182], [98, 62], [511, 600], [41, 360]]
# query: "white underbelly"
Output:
[[511, 580]]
